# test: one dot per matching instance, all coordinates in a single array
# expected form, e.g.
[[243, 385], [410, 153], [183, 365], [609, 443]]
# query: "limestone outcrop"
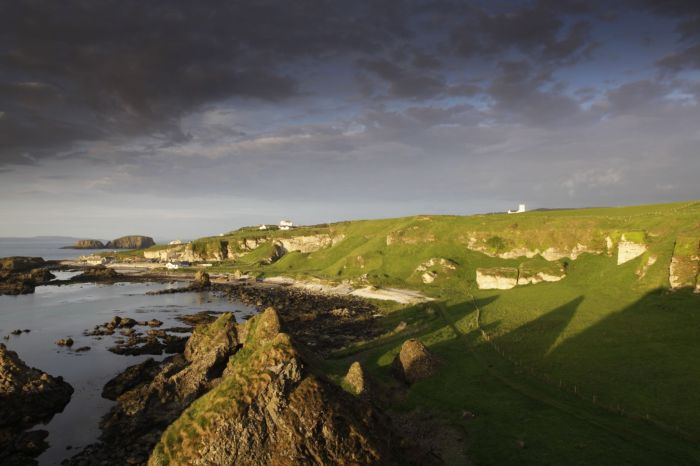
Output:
[[27, 396], [685, 264], [630, 247], [499, 248], [433, 268], [414, 362], [529, 274], [131, 242], [496, 278], [309, 243]]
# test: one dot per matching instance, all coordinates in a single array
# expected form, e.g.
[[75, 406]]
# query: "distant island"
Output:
[[124, 242]]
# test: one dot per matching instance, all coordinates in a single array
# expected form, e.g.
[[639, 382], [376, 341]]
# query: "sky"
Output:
[[179, 119]]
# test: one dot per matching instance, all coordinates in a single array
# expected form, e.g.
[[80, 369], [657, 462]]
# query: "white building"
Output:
[[262, 227], [172, 266], [521, 209], [286, 224], [175, 242]]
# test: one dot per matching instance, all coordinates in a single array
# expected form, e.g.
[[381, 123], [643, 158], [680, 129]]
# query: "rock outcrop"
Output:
[[270, 408], [309, 243], [433, 268], [151, 396], [530, 274], [414, 362], [630, 247], [20, 275], [131, 242], [356, 379], [685, 263], [27, 396], [496, 278]]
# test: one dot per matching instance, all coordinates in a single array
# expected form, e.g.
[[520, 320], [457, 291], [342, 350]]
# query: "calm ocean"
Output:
[[48, 248]]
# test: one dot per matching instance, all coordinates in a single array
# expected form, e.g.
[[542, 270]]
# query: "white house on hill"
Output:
[[286, 224], [521, 209]]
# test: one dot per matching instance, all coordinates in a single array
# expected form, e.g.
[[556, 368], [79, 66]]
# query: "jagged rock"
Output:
[[151, 395], [27, 397], [130, 378], [356, 379], [65, 342], [201, 279], [154, 323], [131, 242], [269, 408], [414, 362]]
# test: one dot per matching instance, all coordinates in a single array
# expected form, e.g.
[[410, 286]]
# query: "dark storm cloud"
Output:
[[545, 30], [134, 65], [129, 67]]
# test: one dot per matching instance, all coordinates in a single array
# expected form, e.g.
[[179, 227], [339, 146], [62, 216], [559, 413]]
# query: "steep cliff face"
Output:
[[131, 242], [269, 408]]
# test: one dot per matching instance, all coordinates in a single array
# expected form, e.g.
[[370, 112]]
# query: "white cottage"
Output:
[[521, 209], [286, 224]]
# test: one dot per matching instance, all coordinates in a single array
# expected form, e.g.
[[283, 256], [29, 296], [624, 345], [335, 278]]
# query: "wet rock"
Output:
[[21, 275], [131, 377], [82, 349], [65, 342], [16, 332], [203, 317], [154, 323], [27, 396], [414, 362]]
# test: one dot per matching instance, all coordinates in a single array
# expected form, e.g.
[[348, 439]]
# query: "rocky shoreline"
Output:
[[300, 323]]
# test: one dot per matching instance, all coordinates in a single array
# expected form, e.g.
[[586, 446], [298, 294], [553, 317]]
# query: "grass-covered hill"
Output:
[[590, 355]]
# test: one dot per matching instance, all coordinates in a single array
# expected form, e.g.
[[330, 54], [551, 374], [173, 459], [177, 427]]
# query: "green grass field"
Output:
[[598, 368]]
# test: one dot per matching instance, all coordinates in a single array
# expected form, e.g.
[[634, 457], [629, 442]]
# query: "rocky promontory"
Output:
[[27, 396]]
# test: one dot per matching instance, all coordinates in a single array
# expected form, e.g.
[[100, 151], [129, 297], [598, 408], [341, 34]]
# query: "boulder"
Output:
[[98, 273], [201, 279], [356, 379], [414, 362], [131, 242], [20, 275]]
